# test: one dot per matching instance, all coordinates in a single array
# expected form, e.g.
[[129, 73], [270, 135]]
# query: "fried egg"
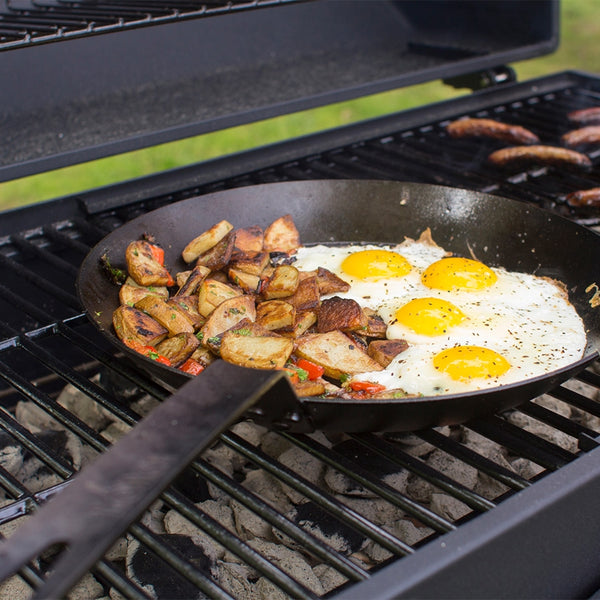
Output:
[[468, 326]]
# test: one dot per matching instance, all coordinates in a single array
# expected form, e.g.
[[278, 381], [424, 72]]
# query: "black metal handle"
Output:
[[105, 498]]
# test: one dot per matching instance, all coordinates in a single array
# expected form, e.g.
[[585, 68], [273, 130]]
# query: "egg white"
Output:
[[527, 319]]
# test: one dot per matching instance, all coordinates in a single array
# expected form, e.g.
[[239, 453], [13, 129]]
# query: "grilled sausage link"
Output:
[[585, 135], [584, 198], [547, 155], [515, 134], [585, 116]]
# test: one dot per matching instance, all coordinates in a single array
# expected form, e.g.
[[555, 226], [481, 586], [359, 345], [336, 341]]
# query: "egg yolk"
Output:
[[375, 263], [463, 363], [429, 316], [451, 274]]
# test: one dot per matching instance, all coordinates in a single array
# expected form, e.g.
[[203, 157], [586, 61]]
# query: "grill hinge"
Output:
[[483, 79]]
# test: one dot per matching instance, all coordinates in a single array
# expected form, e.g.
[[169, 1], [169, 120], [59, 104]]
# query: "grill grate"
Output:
[[27, 22], [353, 504]]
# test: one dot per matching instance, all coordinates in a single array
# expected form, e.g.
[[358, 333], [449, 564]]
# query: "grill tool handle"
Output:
[[105, 498]]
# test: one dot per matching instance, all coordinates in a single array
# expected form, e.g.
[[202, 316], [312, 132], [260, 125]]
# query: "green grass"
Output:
[[580, 30]]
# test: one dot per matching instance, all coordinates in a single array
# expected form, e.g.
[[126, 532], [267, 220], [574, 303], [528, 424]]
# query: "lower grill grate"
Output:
[[265, 514]]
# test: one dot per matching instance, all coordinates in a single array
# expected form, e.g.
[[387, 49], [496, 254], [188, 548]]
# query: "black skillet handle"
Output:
[[106, 497]]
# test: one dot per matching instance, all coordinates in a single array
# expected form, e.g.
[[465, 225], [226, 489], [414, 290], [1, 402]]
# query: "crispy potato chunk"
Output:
[[168, 316], [204, 356], [336, 353], [282, 236], [344, 314], [248, 282], [254, 264], [307, 296], [211, 293], [227, 315], [142, 266], [258, 352], [189, 306], [133, 325], [219, 255], [178, 348], [275, 314], [206, 241], [376, 326], [283, 283], [302, 323], [330, 283], [384, 351], [130, 292], [248, 242], [193, 280], [309, 388]]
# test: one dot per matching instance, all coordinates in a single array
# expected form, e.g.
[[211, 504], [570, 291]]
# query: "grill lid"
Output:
[[87, 87]]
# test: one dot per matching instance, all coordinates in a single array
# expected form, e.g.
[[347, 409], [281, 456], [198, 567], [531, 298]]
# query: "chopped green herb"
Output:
[[344, 377], [116, 275], [243, 331], [153, 355], [200, 335]]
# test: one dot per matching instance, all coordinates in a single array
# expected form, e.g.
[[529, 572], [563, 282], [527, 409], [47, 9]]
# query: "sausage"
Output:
[[515, 134], [584, 198], [549, 155], [585, 135], [585, 116]]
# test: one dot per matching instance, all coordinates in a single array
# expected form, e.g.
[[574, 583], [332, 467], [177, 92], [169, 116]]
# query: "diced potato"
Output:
[[384, 351], [344, 314], [189, 306], [376, 326], [248, 241], [330, 283], [178, 348], [309, 388], [206, 241], [282, 236], [275, 314], [307, 296], [142, 266], [336, 353], [254, 264], [130, 292], [219, 255], [227, 315], [283, 283], [302, 323], [193, 280], [211, 293], [256, 352], [248, 282], [133, 325], [168, 316]]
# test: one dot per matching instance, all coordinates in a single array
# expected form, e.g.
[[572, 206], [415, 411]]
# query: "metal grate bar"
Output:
[[474, 459], [522, 442], [32, 22], [392, 453], [367, 480], [319, 496], [578, 400], [270, 515]]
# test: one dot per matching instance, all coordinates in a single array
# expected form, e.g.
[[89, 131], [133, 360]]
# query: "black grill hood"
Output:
[[77, 96]]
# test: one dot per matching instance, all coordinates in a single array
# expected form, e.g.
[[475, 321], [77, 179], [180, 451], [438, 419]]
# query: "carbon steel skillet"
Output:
[[496, 230], [104, 499]]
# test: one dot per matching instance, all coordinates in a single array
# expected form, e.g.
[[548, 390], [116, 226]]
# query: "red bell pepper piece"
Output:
[[158, 254], [149, 351], [366, 386], [192, 366], [314, 371]]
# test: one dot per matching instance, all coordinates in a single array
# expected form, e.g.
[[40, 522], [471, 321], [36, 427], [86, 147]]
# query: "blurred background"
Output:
[[580, 31]]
